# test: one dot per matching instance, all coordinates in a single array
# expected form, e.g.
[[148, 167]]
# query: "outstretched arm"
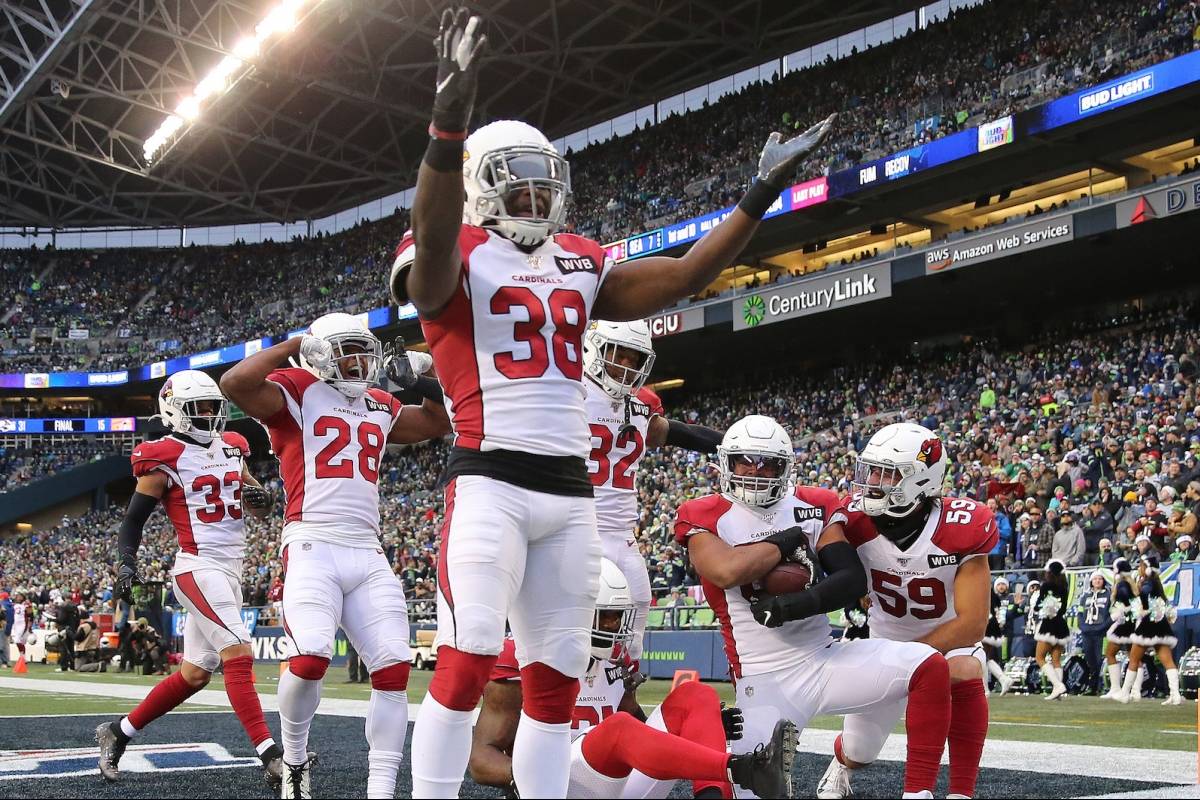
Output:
[[438, 204], [636, 289], [680, 434]]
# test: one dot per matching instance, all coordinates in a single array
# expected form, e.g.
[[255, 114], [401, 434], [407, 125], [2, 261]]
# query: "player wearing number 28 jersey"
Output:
[[329, 426], [927, 571], [504, 299]]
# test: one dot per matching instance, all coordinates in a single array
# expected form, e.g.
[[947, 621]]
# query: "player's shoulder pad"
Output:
[[506, 667], [859, 527], [294, 380], [701, 513], [651, 399], [235, 439], [584, 248], [380, 396], [149, 455], [966, 527]]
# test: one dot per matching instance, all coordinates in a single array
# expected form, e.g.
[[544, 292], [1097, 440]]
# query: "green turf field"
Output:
[[1073, 720]]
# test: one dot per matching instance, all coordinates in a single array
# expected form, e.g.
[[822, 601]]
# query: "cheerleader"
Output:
[[1154, 614], [993, 639], [1052, 635], [1123, 593]]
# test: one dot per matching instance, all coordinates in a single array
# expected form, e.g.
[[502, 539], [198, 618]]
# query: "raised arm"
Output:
[[246, 383], [637, 289], [419, 423], [438, 204]]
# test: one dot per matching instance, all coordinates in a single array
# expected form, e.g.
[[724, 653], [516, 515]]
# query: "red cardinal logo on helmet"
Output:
[[930, 452]]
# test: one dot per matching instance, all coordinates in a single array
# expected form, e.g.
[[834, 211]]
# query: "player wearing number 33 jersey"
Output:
[[927, 573], [329, 426]]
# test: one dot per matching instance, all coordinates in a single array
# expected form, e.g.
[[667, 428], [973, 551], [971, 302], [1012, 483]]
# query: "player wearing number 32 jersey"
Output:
[[329, 426], [504, 299], [927, 571]]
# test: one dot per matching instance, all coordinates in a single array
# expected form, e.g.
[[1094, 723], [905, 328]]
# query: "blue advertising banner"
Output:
[[905, 163], [270, 643]]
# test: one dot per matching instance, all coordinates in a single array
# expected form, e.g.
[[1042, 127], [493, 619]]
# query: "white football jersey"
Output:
[[204, 492], [912, 590], [329, 448], [21, 617], [509, 345], [617, 451], [753, 649]]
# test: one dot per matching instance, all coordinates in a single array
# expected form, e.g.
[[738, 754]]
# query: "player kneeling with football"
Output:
[[779, 644], [617, 750]]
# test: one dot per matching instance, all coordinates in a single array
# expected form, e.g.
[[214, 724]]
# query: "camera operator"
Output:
[[67, 618], [149, 649], [88, 653]]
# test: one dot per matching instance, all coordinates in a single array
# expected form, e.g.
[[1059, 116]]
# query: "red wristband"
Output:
[[448, 136]]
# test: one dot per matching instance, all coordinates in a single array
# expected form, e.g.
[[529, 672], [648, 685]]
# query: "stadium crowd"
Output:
[[21, 465], [1086, 443], [981, 63]]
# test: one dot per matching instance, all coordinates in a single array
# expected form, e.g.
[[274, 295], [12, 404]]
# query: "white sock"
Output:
[[1056, 677], [387, 728], [1173, 681], [441, 746], [996, 671], [1137, 684], [265, 745], [1132, 680], [541, 760], [127, 728], [298, 701], [1114, 678], [641, 616]]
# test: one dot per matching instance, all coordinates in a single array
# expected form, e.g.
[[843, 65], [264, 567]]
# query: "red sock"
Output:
[[968, 730], [165, 696], [239, 685], [927, 722], [693, 711], [621, 744]]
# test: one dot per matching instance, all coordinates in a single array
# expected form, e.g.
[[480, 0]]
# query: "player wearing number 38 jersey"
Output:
[[329, 426], [505, 298], [927, 573]]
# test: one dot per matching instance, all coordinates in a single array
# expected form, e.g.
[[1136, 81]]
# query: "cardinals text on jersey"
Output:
[[617, 450], [204, 491], [912, 590], [329, 450], [753, 649], [509, 345], [601, 689]]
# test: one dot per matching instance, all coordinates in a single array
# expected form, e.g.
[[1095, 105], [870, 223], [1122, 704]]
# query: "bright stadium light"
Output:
[[281, 19]]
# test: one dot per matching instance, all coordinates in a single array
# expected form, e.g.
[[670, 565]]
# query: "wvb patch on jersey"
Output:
[[31, 764], [947, 560], [569, 266]]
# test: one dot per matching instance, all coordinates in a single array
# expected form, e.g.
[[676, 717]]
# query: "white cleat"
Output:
[[1057, 692], [296, 781], [1173, 700], [835, 782], [1006, 685]]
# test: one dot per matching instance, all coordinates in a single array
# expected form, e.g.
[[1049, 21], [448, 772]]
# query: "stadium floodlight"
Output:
[[281, 19]]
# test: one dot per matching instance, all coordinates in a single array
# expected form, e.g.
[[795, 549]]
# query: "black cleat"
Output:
[[112, 746], [768, 770]]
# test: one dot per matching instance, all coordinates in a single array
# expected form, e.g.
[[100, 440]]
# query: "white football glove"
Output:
[[317, 355], [779, 159]]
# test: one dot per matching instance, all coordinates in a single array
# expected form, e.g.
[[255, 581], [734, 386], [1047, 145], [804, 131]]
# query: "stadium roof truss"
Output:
[[335, 113]]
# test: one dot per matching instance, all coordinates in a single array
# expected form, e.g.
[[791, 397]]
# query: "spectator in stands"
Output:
[[1097, 525], [1069, 545], [1185, 549]]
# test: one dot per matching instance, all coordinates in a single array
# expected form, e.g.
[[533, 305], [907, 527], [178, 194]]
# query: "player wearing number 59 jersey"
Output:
[[505, 299], [626, 419], [927, 573], [329, 426], [198, 472]]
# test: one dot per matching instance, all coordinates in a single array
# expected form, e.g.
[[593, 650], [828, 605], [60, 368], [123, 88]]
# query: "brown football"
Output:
[[786, 578]]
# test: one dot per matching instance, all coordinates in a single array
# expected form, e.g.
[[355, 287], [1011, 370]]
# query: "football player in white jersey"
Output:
[[626, 420], [927, 567], [199, 474], [329, 426], [618, 751], [505, 299], [22, 620], [779, 646]]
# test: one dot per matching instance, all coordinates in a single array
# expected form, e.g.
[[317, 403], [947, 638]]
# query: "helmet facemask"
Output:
[[356, 362], [505, 173], [612, 632], [769, 482], [614, 376], [882, 489], [201, 417]]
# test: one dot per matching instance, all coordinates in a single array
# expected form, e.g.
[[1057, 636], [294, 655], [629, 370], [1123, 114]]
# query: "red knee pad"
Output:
[[547, 695], [310, 668], [393, 678], [459, 678]]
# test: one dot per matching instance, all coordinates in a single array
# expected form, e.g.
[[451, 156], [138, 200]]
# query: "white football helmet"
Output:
[[507, 156], [351, 373], [761, 442], [901, 464], [600, 345], [614, 598], [179, 405]]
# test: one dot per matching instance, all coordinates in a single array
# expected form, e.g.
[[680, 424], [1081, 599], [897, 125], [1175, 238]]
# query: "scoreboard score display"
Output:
[[68, 425]]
